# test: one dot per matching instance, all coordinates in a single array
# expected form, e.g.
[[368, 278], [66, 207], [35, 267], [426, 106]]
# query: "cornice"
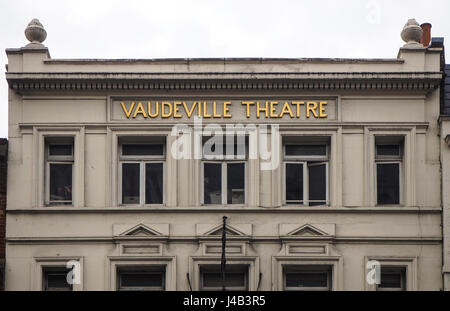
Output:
[[199, 81]]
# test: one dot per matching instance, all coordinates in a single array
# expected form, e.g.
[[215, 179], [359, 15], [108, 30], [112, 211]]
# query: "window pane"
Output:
[[388, 150], [318, 184], [306, 150], [388, 183], [236, 183], [143, 279], [60, 150], [393, 278], [319, 279], [60, 182], [213, 183], [56, 280], [142, 149], [294, 183], [130, 183], [235, 277], [153, 183], [232, 279]]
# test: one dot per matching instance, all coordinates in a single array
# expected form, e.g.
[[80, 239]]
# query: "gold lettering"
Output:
[[140, 110], [127, 112], [149, 106], [163, 110], [311, 107], [248, 107], [322, 110], [298, 104], [189, 112], [205, 114], [176, 110], [286, 109], [226, 109], [272, 109], [259, 109], [215, 114]]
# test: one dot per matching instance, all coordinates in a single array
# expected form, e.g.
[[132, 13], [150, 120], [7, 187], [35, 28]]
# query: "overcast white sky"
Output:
[[215, 28]]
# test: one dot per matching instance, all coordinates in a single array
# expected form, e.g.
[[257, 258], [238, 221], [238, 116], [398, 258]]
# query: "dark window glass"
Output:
[[319, 279], [388, 150], [307, 277], [55, 279], [388, 183], [393, 278], [234, 147], [235, 277], [152, 278], [236, 183], [130, 183], [294, 183], [154, 183], [306, 150], [60, 150], [212, 183], [317, 184], [142, 150], [60, 182]]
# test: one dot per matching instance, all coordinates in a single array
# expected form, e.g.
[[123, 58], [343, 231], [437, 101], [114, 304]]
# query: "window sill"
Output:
[[221, 209]]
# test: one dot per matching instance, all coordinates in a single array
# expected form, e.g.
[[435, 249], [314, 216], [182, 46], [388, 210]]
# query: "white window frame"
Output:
[[307, 161], [142, 160], [58, 160], [390, 160], [224, 162], [303, 269]]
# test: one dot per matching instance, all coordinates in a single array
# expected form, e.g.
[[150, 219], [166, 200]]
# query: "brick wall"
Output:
[[3, 167]]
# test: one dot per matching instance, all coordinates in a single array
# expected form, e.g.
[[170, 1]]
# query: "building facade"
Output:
[[328, 171], [3, 170]]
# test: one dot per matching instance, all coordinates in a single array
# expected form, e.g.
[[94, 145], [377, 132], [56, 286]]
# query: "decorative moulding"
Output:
[[141, 230]]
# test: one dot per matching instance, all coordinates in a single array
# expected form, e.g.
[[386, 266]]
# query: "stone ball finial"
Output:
[[412, 33], [35, 32]]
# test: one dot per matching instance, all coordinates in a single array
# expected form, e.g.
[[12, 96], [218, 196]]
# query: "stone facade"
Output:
[[89, 103], [3, 170]]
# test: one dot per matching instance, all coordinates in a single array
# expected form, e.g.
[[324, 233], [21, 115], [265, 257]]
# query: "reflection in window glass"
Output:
[[130, 183], [153, 183], [235, 277], [236, 183], [294, 183], [60, 182], [212, 183]]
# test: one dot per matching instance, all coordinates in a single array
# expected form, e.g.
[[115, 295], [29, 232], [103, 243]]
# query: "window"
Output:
[[306, 172], [392, 279], [59, 155], [141, 278], [236, 277], [142, 171], [307, 278], [388, 158], [55, 279], [224, 170]]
